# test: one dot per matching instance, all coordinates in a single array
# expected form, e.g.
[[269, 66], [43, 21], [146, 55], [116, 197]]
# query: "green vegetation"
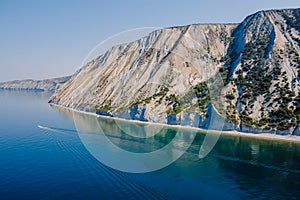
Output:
[[160, 95], [232, 118], [230, 96], [178, 104], [257, 80], [246, 119], [224, 72], [199, 92], [282, 113], [174, 100], [297, 109], [293, 22], [284, 116], [104, 108]]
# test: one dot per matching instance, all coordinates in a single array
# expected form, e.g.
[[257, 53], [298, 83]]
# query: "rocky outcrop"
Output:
[[167, 76], [49, 85]]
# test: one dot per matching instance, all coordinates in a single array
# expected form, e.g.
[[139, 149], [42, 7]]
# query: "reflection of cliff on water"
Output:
[[107, 140], [117, 132], [255, 151]]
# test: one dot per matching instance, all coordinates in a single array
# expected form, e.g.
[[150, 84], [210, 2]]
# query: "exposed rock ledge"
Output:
[[204, 123]]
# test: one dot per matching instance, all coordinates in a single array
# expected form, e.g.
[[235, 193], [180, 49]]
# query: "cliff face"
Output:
[[49, 85], [263, 80], [165, 74], [144, 74]]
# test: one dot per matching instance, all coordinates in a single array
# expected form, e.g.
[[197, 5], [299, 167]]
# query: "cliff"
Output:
[[167, 73], [148, 73]]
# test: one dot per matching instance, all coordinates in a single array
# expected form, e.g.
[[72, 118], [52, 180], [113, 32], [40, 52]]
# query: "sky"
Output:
[[51, 38]]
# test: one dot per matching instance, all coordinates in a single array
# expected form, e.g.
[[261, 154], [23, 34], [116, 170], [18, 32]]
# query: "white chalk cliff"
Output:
[[149, 79]]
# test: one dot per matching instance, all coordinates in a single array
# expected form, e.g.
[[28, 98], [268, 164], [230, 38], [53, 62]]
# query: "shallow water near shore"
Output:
[[43, 157]]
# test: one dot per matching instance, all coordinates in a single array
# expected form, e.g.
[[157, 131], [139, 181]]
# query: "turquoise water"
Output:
[[53, 163]]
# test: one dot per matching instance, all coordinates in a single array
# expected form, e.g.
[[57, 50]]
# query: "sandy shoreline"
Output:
[[265, 136]]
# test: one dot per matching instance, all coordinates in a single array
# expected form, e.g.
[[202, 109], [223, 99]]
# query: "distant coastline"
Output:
[[24, 89], [47, 85]]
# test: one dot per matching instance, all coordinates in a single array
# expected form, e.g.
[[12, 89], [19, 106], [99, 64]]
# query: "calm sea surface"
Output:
[[52, 162]]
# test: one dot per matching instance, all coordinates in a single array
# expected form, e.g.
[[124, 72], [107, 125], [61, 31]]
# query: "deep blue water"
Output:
[[54, 164]]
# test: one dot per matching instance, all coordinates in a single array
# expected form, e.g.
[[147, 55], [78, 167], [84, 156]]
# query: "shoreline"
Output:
[[264, 136]]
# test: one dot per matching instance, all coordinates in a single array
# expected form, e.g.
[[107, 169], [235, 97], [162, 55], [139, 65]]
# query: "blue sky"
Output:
[[50, 38]]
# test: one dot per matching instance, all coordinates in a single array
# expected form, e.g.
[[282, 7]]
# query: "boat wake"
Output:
[[99, 172], [71, 132]]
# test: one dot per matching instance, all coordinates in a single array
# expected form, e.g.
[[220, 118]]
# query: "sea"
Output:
[[47, 152]]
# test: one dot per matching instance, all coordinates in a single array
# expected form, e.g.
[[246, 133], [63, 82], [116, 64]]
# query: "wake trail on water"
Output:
[[57, 130], [71, 132], [120, 181], [50, 129]]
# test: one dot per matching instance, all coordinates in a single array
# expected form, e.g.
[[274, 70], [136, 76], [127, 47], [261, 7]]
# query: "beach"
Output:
[[263, 136]]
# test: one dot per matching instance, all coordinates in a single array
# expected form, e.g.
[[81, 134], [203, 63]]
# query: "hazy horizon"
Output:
[[50, 39]]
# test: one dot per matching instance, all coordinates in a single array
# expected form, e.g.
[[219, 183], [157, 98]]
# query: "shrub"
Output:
[[230, 96]]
